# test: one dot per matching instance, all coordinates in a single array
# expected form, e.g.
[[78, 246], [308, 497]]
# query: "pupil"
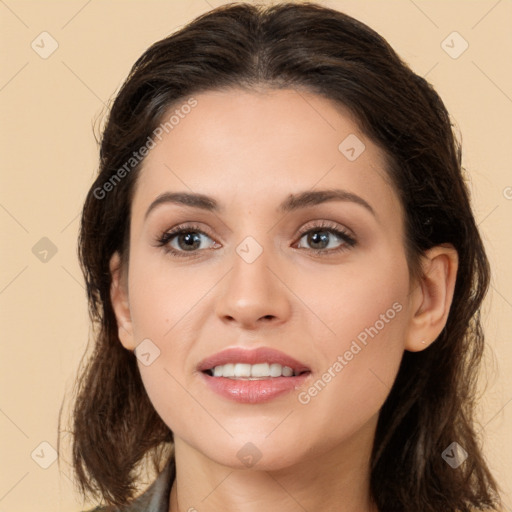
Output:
[[192, 237], [315, 237]]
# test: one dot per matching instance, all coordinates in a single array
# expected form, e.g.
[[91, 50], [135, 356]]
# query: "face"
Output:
[[322, 279]]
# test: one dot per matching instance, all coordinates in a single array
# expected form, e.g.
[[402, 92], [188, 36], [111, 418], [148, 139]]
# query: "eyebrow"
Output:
[[314, 197], [291, 203]]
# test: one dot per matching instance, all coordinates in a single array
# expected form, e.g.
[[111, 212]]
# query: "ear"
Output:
[[120, 303], [432, 297]]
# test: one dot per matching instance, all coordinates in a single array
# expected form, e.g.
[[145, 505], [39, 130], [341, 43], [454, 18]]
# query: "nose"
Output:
[[254, 294]]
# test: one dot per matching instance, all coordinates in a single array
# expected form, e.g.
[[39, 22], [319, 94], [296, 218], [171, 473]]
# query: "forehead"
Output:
[[255, 148]]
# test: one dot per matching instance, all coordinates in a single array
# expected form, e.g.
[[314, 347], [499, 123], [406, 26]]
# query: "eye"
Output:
[[186, 241], [322, 237], [186, 238]]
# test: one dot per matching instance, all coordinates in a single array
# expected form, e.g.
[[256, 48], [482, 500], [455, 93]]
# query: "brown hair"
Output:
[[297, 45]]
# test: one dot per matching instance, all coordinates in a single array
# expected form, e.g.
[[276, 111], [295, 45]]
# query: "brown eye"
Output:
[[188, 240], [327, 240], [183, 240], [319, 239]]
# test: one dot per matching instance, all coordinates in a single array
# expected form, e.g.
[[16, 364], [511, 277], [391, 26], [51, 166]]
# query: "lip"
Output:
[[253, 391], [252, 356]]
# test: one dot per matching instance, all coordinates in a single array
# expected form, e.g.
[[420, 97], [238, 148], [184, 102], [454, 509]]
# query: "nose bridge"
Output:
[[252, 292]]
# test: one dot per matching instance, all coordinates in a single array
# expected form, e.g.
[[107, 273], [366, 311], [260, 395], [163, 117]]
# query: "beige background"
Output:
[[49, 156]]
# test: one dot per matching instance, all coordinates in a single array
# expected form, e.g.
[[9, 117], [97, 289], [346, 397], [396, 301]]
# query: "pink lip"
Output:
[[253, 391], [252, 356]]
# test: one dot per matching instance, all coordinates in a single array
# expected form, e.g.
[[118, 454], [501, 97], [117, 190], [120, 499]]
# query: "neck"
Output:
[[334, 478]]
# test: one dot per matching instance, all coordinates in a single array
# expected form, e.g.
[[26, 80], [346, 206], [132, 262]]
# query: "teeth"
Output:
[[252, 372], [229, 369], [241, 370], [276, 370], [287, 371], [261, 370]]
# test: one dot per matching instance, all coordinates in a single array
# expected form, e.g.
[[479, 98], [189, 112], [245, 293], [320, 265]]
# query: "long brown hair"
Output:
[[308, 46]]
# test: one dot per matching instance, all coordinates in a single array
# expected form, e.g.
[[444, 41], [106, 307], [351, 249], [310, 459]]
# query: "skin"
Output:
[[250, 151]]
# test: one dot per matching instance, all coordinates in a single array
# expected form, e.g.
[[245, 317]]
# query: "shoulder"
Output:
[[154, 499]]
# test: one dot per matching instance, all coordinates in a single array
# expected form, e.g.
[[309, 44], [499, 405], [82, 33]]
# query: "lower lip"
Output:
[[253, 391]]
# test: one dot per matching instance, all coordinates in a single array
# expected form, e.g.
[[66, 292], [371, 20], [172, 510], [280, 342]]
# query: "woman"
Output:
[[286, 276]]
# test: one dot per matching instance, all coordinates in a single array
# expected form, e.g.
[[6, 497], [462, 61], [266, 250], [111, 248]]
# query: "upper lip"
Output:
[[252, 356]]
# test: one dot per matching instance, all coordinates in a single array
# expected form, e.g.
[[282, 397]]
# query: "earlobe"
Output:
[[432, 298], [120, 303]]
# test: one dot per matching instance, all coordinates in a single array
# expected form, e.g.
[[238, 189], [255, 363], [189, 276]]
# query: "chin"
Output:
[[256, 453]]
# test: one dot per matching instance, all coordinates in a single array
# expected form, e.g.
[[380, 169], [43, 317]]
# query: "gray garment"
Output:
[[155, 498]]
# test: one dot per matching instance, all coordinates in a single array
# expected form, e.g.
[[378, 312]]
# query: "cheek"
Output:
[[162, 299], [164, 307], [368, 298], [359, 369], [367, 315]]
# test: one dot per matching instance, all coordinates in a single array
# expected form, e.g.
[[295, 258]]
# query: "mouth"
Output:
[[259, 363], [259, 371], [253, 376]]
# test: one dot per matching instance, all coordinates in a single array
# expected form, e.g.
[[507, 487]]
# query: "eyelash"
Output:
[[324, 226]]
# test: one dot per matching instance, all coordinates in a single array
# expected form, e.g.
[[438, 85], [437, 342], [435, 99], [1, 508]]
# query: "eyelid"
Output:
[[188, 226], [326, 224]]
